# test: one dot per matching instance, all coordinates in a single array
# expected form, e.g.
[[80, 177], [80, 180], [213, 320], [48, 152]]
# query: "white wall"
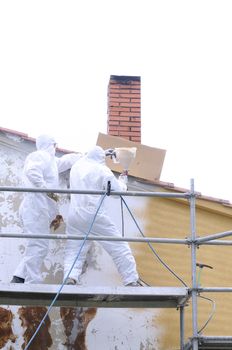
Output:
[[105, 329]]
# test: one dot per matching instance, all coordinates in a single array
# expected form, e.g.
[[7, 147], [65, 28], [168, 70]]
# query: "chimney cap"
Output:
[[124, 78]]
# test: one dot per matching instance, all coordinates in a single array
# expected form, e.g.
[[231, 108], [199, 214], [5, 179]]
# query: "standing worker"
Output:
[[38, 210], [91, 173]]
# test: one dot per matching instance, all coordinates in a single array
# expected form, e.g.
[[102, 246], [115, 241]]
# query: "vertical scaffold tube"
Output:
[[193, 262], [181, 327]]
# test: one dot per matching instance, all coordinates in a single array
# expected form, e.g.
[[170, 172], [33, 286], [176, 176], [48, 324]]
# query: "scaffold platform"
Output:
[[78, 296], [212, 343], [56, 295]]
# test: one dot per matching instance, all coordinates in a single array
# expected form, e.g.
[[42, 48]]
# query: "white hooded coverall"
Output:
[[37, 210], [91, 173]]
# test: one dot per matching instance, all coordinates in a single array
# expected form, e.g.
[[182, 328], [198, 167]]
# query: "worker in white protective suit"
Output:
[[38, 210], [91, 173]]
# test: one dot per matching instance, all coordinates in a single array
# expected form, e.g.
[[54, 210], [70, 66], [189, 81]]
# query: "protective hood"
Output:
[[97, 154], [46, 143]]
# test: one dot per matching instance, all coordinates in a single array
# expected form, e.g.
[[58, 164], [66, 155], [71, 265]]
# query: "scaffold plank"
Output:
[[78, 296], [212, 343]]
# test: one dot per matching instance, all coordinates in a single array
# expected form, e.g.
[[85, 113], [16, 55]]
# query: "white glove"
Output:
[[124, 180]]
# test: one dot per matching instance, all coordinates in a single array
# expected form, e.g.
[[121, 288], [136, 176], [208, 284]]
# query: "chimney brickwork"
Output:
[[124, 107]]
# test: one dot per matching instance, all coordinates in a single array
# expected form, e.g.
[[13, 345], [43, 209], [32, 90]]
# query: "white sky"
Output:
[[56, 58]]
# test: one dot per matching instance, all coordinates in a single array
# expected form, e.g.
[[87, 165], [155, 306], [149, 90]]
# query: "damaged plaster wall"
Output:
[[65, 328]]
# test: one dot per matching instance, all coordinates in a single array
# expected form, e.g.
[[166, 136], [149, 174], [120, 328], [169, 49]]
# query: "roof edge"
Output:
[[29, 138], [165, 185]]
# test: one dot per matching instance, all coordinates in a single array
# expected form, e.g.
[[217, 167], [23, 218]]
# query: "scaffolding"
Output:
[[145, 297]]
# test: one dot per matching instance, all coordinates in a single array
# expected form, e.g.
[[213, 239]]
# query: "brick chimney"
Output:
[[124, 107]]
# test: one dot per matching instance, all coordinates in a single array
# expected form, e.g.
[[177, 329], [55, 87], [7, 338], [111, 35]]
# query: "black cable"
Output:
[[153, 250], [211, 314]]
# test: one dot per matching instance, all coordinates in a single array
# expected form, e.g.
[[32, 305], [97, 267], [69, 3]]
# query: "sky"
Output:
[[56, 58]]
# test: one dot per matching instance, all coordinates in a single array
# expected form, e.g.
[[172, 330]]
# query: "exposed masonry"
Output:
[[124, 107]]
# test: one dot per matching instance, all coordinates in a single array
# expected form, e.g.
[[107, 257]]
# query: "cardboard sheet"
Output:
[[147, 164]]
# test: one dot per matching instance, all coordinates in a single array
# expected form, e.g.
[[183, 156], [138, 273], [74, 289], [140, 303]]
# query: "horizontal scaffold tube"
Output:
[[215, 338], [213, 236], [214, 289], [219, 242], [106, 238], [124, 193], [94, 238]]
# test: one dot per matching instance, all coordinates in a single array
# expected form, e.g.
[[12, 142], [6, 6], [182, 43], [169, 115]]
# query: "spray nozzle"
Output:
[[123, 156]]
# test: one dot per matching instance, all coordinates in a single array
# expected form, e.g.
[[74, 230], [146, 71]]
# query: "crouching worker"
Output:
[[38, 210], [91, 173]]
